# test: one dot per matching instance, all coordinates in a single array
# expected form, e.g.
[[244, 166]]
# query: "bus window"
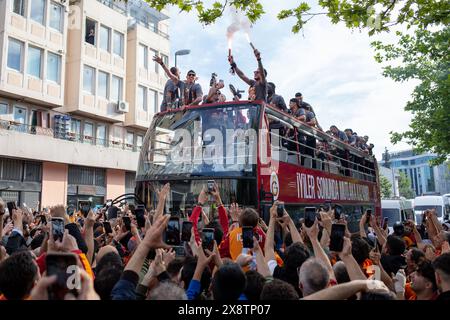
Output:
[[202, 142]]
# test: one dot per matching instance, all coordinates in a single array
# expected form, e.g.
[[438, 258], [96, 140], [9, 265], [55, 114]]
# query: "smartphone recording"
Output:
[[337, 237]]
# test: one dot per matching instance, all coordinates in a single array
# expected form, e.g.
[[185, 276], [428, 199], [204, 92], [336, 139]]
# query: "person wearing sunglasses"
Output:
[[193, 93]]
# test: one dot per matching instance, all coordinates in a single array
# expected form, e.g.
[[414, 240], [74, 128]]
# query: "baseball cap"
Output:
[[298, 94]]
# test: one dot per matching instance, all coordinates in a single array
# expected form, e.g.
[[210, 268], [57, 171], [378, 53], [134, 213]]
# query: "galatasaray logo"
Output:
[[274, 185]]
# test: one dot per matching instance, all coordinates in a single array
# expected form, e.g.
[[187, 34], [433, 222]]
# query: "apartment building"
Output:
[[425, 179], [78, 89]]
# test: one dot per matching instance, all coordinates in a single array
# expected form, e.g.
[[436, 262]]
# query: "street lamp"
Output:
[[181, 53]]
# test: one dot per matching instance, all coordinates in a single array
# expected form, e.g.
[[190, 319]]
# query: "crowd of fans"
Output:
[[286, 259]]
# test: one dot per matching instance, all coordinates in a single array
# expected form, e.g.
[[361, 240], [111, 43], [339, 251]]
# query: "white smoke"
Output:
[[239, 22]]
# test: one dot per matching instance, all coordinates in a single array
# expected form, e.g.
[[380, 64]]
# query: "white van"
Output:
[[439, 203], [396, 210]]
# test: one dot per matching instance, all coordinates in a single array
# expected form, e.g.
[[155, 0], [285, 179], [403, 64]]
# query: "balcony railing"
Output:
[[112, 5], [151, 26], [68, 136]]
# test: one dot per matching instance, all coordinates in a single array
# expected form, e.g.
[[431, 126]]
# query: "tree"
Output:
[[424, 57], [386, 187], [404, 187], [424, 52]]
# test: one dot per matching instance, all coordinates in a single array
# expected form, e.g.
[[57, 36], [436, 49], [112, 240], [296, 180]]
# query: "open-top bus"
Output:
[[256, 154]]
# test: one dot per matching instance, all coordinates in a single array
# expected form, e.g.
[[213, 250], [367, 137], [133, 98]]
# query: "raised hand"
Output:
[[154, 236], [157, 59], [203, 197], [347, 249], [257, 54], [235, 212]]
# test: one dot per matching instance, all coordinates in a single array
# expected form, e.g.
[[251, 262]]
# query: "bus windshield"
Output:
[[205, 141]]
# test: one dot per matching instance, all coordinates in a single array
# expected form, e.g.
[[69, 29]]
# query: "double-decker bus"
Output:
[[256, 154]]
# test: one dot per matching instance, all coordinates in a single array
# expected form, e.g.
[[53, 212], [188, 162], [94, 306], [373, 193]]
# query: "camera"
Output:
[[213, 80], [237, 94]]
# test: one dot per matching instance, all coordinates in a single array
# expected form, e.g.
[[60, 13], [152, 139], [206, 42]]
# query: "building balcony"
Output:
[[25, 141]]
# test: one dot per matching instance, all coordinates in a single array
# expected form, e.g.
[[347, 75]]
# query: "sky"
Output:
[[332, 66]]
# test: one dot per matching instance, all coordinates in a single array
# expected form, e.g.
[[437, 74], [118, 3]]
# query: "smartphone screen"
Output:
[[63, 265], [310, 216], [11, 206], [337, 237], [127, 223], [112, 212], [280, 210], [337, 212], [173, 232], [85, 206], [247, 237], [186, 231], [107, 227], [58, 228], [208, 239], [211, 184], [385, 222], [179, 251], [70, 211]]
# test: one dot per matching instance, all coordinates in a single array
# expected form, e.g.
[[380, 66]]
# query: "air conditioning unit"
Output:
[[122, 107]]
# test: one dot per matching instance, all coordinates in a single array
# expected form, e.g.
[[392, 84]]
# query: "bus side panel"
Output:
[[292, 184]]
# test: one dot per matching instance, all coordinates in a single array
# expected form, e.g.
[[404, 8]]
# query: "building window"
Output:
[[75, 129], [105, 35], [130, 139], [53, 67], [165, 59], [37, 10], [32, 171], [139, 140], [153, 100], [116, 88], [86, 176], [101, 134], [89, 80], [91, 26], [103, 84], [143, 56], [117, 134], [34, 61], [154, 66], [3, 108], [11, 169], [142, 98], [88, 132], [118, 43], [18, 7], [15, 49], [56, 17]]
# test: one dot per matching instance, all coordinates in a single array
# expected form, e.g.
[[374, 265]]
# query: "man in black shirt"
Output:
[[259, 83], [442, 272], [275, 99]]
